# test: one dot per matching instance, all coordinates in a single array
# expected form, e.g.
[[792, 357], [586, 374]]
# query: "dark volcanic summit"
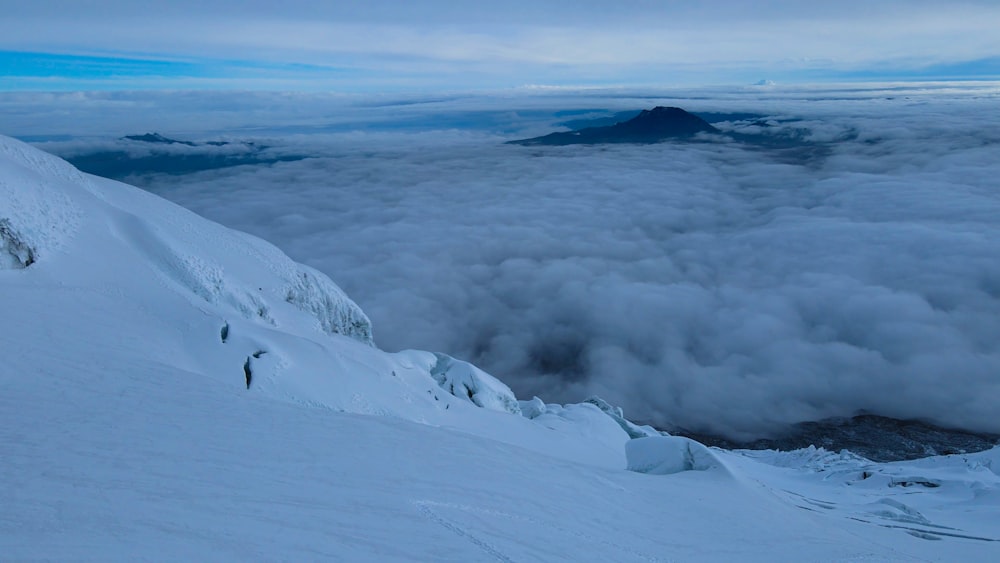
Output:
[[651, 126], [157, 138]]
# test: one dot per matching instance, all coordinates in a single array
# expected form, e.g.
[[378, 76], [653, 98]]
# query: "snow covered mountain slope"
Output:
[[174, 390]]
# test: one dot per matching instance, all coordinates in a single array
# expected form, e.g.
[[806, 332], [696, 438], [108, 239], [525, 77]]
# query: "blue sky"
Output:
[[378, 45], [62, 71]]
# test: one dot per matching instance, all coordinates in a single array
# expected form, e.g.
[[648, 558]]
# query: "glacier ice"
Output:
[[466, 381], [314, 293]]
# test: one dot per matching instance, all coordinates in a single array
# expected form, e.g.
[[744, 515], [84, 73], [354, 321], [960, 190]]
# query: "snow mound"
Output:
[[618, 415], [466, 381], [666, 455], [532, 409]]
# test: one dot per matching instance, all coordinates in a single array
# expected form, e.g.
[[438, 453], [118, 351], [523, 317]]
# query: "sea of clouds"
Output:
[[717, 287]]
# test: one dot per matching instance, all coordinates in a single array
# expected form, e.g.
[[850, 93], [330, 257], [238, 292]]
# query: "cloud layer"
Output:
[[707, 286], [437, 43]]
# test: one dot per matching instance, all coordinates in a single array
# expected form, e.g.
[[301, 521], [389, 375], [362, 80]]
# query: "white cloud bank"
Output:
[[707, 286]]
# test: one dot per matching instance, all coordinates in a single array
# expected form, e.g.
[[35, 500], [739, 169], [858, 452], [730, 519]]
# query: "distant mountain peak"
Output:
[[650, 126], [157, 138], [663, 110], [667, 122]]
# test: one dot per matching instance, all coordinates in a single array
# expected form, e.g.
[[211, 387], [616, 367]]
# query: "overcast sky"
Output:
[[381, 45]]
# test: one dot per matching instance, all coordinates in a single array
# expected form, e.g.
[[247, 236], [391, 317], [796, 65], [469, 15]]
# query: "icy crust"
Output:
[[48, 204], [666, 455]]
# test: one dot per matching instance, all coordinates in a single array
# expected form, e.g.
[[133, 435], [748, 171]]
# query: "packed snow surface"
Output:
[[176, 390]]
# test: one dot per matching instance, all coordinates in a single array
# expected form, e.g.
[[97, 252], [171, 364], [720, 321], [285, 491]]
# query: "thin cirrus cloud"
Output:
[[382, 45], [708, 285]]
